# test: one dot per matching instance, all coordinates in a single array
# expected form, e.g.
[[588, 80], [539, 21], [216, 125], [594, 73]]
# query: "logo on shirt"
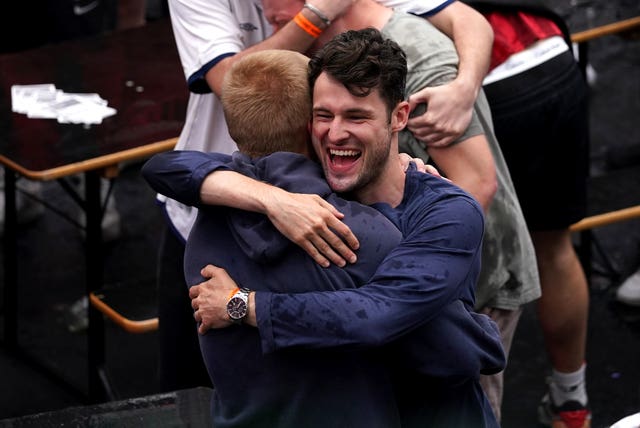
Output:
[[84, 9], [248, 26]]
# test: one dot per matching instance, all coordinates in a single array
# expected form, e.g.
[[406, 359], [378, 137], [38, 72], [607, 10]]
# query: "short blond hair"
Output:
[[267, 102]]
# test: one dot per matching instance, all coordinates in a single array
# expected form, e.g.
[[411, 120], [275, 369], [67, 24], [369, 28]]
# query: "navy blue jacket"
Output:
[[449, 348]]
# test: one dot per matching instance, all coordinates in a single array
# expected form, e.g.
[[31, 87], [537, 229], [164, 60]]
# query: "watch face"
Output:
[[237, 308]]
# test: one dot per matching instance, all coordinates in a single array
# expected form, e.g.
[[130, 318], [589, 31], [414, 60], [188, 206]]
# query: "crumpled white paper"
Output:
[[44, 101]]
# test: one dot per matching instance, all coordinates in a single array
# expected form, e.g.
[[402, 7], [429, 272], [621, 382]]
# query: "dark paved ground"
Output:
[[52, 272]]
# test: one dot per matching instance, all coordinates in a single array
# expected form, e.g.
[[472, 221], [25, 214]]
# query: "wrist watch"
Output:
[[238, 305]]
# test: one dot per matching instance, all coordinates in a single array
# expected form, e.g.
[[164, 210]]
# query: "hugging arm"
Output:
[[202, 19], [437, 333], [470, 165], [450, 106], [413, 290], [430, 268], [196, 178], [455, 343]]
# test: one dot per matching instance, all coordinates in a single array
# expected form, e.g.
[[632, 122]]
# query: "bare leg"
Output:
[[564, 305]]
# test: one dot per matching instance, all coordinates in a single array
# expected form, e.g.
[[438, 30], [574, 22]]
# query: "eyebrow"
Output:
[[368, 112]]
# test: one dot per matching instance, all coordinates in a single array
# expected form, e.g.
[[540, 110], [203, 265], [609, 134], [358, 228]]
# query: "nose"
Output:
[[337, 130]]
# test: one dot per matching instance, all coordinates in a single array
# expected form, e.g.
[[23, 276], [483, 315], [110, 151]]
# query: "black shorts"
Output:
[[540, 120]]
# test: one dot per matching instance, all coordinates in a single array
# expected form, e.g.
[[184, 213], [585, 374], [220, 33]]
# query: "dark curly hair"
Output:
[[363, 60]]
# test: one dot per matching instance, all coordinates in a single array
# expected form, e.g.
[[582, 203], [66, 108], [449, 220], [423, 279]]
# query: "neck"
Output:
[[388, 186]]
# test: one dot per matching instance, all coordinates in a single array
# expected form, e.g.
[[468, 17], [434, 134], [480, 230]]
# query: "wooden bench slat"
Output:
[[605, 30]]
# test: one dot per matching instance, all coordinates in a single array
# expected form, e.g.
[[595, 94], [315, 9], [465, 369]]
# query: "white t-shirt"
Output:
[[207, 31]]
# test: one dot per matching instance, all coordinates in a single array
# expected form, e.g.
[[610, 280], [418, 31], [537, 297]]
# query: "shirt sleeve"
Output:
[[178, 174], [432, 266], [205, 32], [418, 7]]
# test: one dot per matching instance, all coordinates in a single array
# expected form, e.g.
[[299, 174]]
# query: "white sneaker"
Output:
[[629, 292]]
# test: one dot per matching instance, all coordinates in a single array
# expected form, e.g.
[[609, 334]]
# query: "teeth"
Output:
[[335, 152]]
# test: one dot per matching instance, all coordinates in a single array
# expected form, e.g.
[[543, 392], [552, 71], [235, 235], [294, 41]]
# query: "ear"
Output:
[[400, 116]]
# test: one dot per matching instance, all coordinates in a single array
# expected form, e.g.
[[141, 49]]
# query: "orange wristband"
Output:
[[307, 25], [233, 292]]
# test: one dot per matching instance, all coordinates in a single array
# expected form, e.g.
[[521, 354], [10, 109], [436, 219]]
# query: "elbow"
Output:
[[484, 189], [487, 30], [482, 27], [149, 172]]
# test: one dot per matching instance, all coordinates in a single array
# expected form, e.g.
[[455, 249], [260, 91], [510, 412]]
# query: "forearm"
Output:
[[473, 38], [456, 343], [197, 178], [469, 164], [231, 189], [397, 299], [381, 311], [291, 37]]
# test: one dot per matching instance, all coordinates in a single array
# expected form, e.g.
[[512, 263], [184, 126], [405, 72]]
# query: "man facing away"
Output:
[[448, 392], [267, 107]]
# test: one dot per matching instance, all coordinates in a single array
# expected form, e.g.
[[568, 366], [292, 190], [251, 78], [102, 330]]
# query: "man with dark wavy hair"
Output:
[[358, 110]]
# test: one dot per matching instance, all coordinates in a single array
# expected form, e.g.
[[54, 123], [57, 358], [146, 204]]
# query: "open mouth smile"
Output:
[[341, 156]]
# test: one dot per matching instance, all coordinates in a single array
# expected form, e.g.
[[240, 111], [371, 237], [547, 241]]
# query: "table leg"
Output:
[[10, 262], [583, 57], [98, 384]]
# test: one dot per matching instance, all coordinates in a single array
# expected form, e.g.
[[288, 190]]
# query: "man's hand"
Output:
[[209, 298], [448, 114], [313, 224], [405, 159], [307, 220]]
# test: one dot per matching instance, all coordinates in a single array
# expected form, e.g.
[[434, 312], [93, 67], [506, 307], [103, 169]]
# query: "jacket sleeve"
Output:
[[179, 174], [432, 266], [418, 301], [457, 344]]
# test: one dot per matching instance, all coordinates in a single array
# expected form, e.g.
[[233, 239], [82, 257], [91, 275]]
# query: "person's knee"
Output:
[[553, 248]]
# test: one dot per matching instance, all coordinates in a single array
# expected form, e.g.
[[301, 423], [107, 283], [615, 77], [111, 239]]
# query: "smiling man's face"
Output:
[[351, 135]]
